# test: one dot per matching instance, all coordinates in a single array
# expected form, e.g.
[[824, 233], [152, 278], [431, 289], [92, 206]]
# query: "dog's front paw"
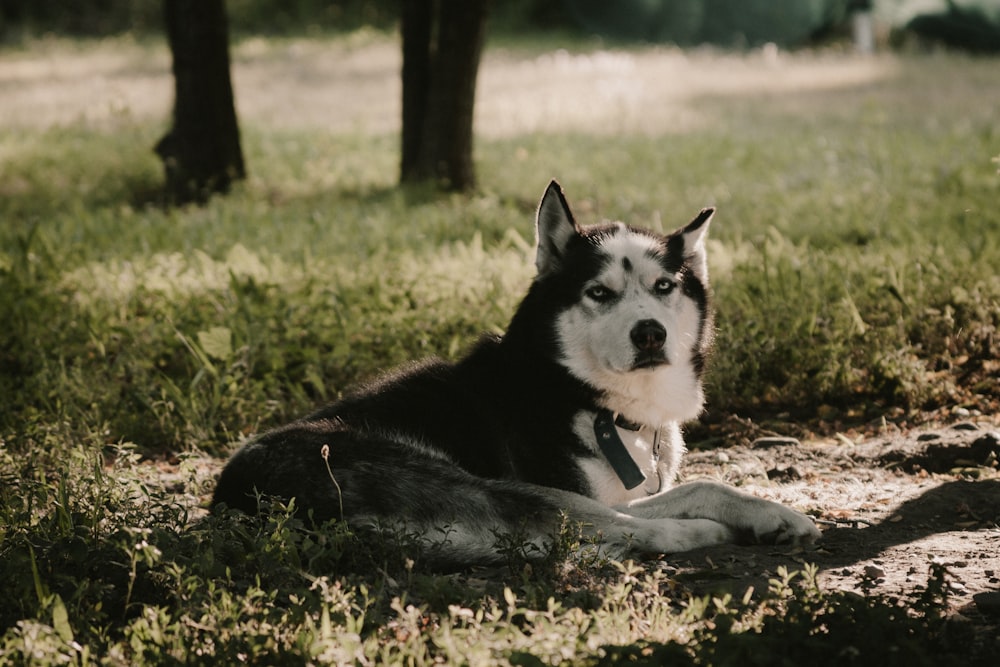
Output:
[[777, 524]]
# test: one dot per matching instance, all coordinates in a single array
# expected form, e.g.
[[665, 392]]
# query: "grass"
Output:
[[853, 260]]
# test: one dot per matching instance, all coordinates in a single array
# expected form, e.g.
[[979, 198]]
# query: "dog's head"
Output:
[[634, 319]]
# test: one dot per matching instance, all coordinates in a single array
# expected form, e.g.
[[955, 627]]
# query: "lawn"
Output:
[[853, 258]]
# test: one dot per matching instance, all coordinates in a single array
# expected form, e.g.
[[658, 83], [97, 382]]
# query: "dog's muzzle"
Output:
[[648, 337]]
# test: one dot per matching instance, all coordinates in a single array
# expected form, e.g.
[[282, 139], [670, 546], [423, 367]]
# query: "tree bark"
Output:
[[201, 153], [417, 25], [442, 45]]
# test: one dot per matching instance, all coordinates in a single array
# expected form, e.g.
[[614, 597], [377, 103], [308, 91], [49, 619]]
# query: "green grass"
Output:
[[854, 261]]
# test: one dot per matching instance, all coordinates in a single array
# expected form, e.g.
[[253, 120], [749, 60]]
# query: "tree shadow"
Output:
[[958, 506], [953, 506]]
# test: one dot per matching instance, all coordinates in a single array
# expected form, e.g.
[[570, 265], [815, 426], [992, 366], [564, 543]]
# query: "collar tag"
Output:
[[614, 450]]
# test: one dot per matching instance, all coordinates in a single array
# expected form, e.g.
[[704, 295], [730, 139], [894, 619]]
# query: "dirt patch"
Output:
[[889, 507]]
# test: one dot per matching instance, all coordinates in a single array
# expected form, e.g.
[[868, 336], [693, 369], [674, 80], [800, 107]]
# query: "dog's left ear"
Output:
[[554, 228], [694, 234]]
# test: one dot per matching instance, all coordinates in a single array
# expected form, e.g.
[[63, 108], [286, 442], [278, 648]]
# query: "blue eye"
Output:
[[664, 286], [599, 293]]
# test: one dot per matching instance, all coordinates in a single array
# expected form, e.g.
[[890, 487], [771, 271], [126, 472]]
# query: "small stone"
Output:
[[988, 439], [872, 572], [988, 603], [775, 441], [965, 426], [789, 473]]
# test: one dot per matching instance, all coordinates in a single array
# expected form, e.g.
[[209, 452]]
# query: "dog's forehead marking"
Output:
[[631, 255]]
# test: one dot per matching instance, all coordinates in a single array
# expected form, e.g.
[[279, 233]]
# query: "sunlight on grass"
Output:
[[175, 275]]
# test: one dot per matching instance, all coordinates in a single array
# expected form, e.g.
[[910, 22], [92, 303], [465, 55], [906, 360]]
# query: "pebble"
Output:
[[787, 473], [988, 603], [873, 572], [990, 438], [774, 441], [965, 426]]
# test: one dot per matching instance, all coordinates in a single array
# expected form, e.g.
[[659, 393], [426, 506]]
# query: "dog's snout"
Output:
[[648, 336]]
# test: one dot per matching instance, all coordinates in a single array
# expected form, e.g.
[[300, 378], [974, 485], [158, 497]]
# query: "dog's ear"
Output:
[[554, 227], [694, 234]]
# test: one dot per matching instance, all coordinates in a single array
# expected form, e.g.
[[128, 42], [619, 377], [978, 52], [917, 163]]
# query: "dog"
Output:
[[573, 414]]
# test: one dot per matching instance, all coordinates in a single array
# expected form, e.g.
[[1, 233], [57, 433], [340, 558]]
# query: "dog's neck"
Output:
[[655, 398], [606, 425]]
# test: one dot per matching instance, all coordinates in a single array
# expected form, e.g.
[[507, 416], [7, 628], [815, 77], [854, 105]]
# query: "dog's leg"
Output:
[[756, 518], [534, 513], [621, 534], [457, 518]]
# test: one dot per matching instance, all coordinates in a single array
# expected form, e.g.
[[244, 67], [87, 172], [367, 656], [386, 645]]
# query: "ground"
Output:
[[889, 505]]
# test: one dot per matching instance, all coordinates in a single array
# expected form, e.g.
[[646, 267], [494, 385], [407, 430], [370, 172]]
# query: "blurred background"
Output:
[[967, 24]]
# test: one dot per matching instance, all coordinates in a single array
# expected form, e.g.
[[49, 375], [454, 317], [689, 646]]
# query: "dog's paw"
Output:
[[777, 524]]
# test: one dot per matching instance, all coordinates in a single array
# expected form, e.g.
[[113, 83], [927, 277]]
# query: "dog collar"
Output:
[[621, 422], [614, 449]]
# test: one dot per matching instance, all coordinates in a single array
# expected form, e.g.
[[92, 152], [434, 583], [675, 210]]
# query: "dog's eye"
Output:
[[599, 293], [664, 286]]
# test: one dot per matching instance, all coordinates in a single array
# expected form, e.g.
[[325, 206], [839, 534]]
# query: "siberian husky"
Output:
[[574, 414]]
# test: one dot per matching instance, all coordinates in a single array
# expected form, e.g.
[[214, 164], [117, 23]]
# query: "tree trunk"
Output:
[[201, 154], [442, 44], [416, 30]]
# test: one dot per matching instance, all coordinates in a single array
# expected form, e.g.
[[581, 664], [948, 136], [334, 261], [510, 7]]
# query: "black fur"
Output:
[[484, 443], [502, 412]]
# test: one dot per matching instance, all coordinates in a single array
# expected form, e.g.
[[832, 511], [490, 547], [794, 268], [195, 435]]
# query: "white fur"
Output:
[[597, 349], [660, 470]]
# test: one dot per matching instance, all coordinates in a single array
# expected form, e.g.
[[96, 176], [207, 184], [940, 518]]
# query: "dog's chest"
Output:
[[646, 460]]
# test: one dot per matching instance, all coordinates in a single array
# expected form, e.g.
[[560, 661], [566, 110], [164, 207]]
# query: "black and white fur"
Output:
[[617, 322]]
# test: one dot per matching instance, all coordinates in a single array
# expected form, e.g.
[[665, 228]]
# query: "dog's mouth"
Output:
[[646, 361]]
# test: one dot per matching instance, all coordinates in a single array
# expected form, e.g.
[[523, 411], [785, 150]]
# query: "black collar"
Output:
[[621, 422], [614, 449]]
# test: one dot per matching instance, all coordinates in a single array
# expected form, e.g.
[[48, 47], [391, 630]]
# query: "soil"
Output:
[[889, 504]]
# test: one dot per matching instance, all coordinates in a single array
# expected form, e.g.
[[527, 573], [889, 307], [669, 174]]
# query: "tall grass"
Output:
[[853, 259]]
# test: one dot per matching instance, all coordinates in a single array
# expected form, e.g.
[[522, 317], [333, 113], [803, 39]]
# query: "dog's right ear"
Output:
[[554, 228]]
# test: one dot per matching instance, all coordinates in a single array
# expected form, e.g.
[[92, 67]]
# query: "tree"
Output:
[[201, 153], [442, 44]]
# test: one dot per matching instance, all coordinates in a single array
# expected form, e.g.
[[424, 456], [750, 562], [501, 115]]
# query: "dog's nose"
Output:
[[648, 336]]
